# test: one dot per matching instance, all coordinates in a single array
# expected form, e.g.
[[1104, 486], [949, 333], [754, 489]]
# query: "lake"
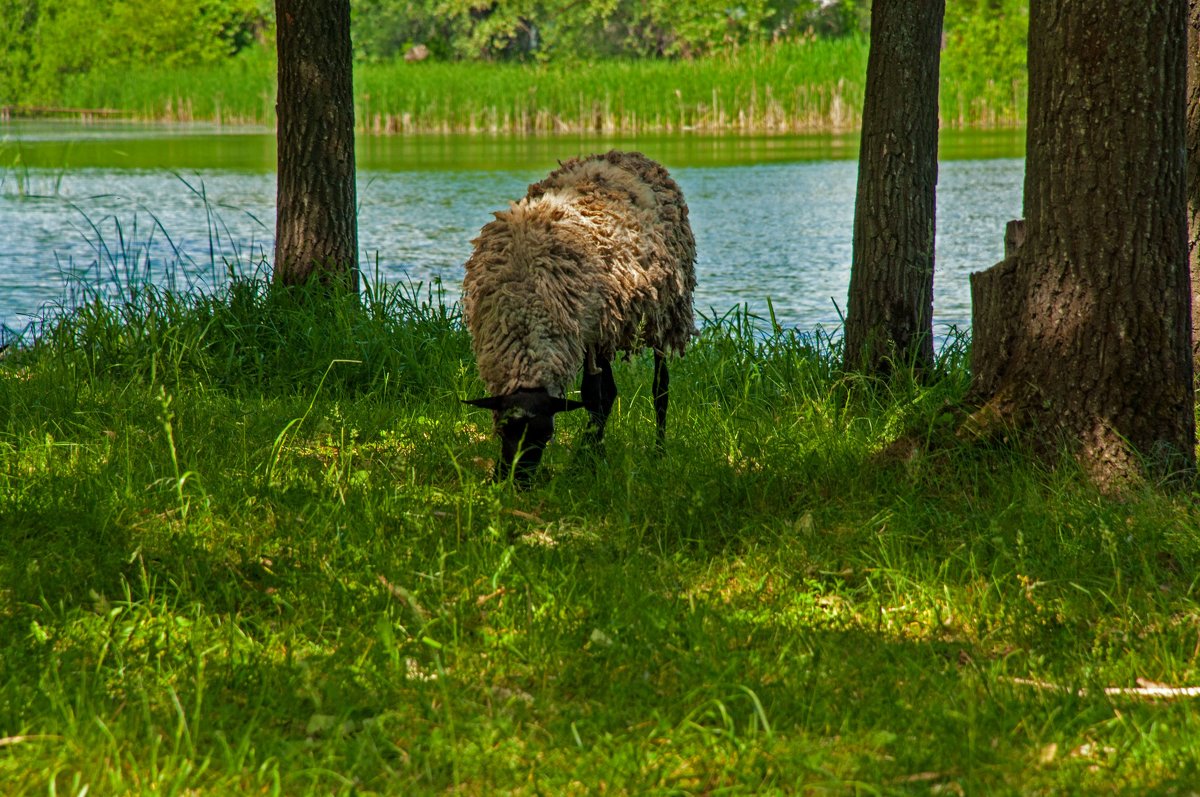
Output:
[[98, 207]]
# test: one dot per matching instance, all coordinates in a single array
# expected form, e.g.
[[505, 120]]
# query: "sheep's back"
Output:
[[531, 297], [598, 255], [639, 190]]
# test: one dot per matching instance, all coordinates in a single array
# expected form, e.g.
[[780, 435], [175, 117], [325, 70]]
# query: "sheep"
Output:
[[598, 258]]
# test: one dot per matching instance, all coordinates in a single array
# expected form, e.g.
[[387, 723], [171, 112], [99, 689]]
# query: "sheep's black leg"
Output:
[[599, 392], [662, 381]]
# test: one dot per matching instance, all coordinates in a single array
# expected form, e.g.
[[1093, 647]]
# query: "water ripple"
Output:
[[778, 232]]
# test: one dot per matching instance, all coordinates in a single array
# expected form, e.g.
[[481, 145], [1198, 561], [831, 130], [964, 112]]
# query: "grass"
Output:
[[248, 545], [239, 90], [816, 85], [804, 86]]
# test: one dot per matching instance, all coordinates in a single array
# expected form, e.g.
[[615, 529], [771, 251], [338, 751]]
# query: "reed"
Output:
[[759, 89], [812, 85], [239, 90]]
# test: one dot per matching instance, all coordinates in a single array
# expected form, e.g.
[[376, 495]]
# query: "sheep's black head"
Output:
[[525, 424]]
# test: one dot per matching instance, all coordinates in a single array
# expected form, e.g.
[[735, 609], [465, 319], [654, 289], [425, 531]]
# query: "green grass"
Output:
[[816, 85], [248, 545], [239, 90], [805, 86]]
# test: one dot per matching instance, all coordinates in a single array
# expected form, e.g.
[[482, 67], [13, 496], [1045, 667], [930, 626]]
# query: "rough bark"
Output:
[[889, 317], [994, 296], [316, 234], [1193, 168], [1101, 356]]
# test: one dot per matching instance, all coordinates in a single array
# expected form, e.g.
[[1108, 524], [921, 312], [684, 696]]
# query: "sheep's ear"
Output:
[[566, 405], [488, 402], [534, 403]]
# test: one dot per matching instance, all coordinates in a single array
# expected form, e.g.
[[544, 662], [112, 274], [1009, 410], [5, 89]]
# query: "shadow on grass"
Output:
[[348, 603]]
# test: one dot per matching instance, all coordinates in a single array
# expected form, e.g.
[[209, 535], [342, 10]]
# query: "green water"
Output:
[[67, 145]]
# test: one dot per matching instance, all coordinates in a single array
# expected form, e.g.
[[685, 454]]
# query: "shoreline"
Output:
[[543, 125], [67, 143]]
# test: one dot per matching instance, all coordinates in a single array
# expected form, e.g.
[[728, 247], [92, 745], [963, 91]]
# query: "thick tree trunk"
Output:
[[889, 317], [1193, 169], [316, 234], [1101, 296]]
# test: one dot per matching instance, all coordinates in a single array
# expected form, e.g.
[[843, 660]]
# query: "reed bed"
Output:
[[813, 85]]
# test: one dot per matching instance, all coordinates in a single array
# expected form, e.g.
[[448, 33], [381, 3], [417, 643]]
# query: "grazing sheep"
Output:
[[598, 258]]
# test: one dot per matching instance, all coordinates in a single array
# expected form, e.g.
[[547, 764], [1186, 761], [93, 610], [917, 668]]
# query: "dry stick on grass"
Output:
[[5, 741], [1146, 689]]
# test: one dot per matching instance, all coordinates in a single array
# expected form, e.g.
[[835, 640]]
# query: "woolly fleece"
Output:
[[598, 258]]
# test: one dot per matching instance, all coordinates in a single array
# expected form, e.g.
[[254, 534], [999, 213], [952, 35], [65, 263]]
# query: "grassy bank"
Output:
[[814, 85], [250, 546]]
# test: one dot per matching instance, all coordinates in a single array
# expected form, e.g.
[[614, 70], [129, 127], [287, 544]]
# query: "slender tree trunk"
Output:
[[1193, 168], [890, 310], [1100, 355], [316, 234]]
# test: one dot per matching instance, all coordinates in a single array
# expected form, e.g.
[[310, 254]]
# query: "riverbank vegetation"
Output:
[[751, 92], [249, 545], [546, 68]]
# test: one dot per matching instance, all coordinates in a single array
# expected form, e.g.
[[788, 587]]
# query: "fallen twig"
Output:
[[1145, 688], [6, 741]]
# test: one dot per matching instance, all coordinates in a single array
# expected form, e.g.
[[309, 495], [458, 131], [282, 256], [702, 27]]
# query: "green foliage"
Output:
[[53, 40], [18, 19], [985, 50], [545, 30]]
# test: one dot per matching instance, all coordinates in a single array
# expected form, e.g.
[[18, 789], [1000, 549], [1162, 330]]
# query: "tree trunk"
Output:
[[1193, 168], [889, 317], [1100, 357], [316, 235]]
